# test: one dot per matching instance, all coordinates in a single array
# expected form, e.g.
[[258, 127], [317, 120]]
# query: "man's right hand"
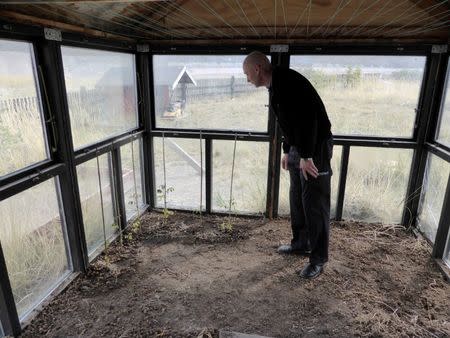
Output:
[[284, 161]]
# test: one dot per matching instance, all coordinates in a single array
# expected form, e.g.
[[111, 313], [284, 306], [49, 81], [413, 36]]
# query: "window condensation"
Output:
[[97, 202], [249, 177], [377, 181], [131, 156], [366, 94], [34, 244], [207, 92], [178, 161], [443, 135], [433, 192], [22, 131], [447, 251], [101, 93]]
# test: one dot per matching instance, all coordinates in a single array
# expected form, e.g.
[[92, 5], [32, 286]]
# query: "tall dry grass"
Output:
[[376, 183], [430, 208], [32, 240]]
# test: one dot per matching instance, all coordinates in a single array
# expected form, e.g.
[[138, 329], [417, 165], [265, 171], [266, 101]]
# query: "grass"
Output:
[[376, 184], [384, 173], [430, 208], [91, 203], [22, 138], [375, 191], [33, 244]]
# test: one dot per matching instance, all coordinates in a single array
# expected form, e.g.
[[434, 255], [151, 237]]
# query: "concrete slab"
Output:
[[232, 334]]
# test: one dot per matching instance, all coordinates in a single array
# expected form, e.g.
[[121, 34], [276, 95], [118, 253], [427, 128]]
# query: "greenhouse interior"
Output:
[[142, 192]]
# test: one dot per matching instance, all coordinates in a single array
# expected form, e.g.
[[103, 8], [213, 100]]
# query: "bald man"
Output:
[[307, 151]]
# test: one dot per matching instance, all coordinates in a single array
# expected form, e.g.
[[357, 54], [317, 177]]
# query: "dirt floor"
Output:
[[186, 277]]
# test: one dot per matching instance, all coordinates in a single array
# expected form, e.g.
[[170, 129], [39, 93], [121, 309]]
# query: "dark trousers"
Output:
[[310, 203]]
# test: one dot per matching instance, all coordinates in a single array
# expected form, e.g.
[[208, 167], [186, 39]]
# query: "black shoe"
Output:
[[290, 250], [311, 271]]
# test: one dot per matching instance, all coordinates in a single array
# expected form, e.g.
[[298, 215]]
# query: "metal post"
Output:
[[208, 173], [444, 225], [280, 59], [8, 311], [146, 111], [426, 121], [50, 57], [118, 188], [342, 182]]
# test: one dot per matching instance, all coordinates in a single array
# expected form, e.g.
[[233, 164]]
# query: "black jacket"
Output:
[[300, 112]]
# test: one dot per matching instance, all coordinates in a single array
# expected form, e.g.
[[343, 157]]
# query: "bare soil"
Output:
[[186, 277]]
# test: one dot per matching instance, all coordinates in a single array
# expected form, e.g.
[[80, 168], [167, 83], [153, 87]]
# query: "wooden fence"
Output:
[[214, 87], [94, 101]]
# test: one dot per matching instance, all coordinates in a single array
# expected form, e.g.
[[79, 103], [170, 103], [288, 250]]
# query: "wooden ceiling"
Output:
[[240, 21]]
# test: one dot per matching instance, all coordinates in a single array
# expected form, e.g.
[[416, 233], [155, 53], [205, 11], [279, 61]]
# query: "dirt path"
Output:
[[180, 278]]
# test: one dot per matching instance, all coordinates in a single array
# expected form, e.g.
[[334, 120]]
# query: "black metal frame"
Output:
[[421, 140], [8, 311], [342, 181], [273, 175], [444, 225], [63, 160]]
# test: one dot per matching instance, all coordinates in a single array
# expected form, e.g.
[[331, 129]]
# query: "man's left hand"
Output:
[[307, 166]]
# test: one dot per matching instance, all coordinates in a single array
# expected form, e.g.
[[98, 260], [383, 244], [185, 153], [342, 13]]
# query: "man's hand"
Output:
[[284, 161], [307, 166]]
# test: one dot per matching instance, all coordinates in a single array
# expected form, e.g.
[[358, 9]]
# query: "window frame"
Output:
[[45, 116]]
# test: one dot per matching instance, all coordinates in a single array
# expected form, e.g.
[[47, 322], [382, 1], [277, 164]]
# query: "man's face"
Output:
[[253, 73]]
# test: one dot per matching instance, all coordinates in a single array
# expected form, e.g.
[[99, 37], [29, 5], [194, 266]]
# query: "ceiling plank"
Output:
[[437, 6], [22, 18], [49, 2]]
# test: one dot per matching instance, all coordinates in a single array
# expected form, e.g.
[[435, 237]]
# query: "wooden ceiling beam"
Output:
[[157, 44], [49, 2], [161, 16], [438, 6], [22, 18], [319, 32]]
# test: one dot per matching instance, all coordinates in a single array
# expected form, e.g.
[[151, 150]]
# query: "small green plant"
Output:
[[116, 227], [136, 226], [162, 193], [167, 213], [106, 258], [226, 226]]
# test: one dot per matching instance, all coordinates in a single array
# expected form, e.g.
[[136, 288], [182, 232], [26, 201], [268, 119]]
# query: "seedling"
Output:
[[162, 193], [228, 225]]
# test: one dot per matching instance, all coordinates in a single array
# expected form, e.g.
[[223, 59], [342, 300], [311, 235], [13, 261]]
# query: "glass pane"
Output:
[[132, 177], [101, 91], [444, 129], [207, 92], [283, 200], [183, 167], [33, 243], [91, 201], [370, 91], [377, 180], [22, 134], [447, 251], [433, 191], [249, 177]]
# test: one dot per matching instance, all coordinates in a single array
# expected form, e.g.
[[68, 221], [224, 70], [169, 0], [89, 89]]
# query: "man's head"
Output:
[[258, 69]]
